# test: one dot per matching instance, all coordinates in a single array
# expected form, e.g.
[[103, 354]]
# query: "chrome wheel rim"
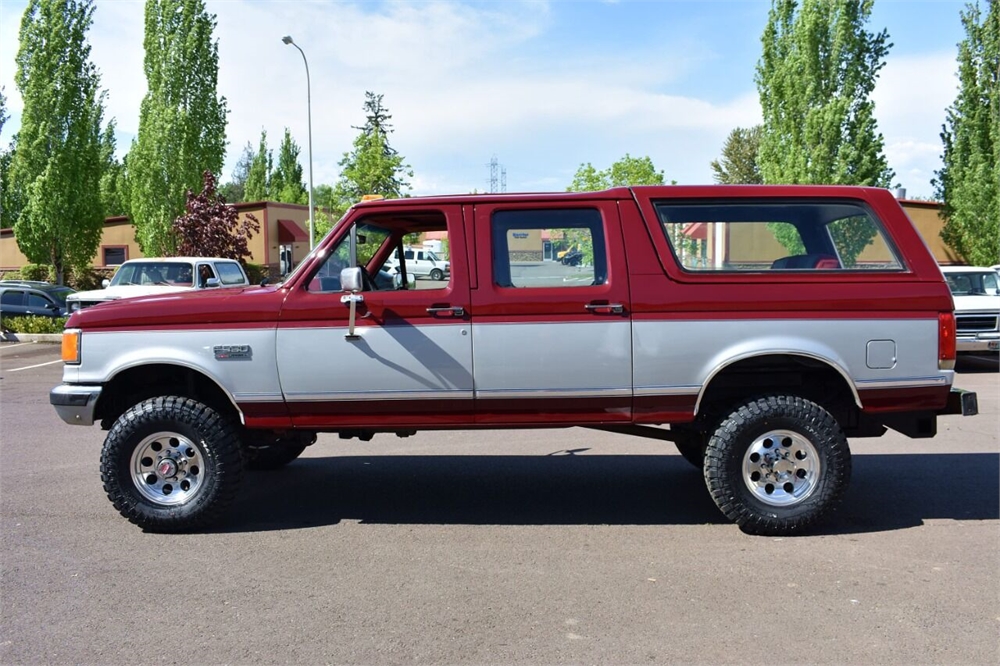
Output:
[[167, 468], [781, 468]]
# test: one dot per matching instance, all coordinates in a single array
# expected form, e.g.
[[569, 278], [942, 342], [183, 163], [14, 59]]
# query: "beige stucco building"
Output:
[[283, 240]]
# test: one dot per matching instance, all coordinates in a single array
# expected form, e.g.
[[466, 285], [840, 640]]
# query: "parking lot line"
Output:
[[29, 367]]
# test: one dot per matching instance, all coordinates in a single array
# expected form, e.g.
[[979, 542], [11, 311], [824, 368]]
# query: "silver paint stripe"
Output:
[[354, 396], [914, 382], [258, 397], [667, 390], [544, 393]]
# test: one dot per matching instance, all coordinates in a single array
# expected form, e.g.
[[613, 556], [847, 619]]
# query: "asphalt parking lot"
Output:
[[544, 546]]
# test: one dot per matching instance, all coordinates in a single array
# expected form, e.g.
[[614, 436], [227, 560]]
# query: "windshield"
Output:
[[59, 295], [973, 284], [164, 273]]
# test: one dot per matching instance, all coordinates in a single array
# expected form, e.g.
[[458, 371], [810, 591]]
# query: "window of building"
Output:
[[114, 255], [577, 255]]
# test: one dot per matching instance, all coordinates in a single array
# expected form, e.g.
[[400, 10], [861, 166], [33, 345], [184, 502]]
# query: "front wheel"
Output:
[[437, 274], [172, 464], [777, 465]]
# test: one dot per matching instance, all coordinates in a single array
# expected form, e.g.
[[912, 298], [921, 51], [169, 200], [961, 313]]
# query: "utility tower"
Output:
[[495, 166]]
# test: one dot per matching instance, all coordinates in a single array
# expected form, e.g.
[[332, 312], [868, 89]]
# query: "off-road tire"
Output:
[[824, 450], [210, 438], [264, 453], [437, 274]]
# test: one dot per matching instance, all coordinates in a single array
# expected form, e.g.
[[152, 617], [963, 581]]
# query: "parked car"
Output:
[[419, 262], [23, 297], [151, 276], [976, 292]]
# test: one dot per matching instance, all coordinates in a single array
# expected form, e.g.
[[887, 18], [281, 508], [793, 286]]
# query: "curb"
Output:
[[31, 337]]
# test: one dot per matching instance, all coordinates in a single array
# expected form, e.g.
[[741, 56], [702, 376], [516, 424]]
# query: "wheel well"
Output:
[[791, 374], [134, 385]]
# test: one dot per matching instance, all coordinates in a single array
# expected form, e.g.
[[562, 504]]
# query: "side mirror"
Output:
[[264, 282], [350, 279], [212, 283], [104, 283]]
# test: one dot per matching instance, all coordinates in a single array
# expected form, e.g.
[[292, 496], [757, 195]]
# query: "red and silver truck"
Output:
[[755, 327]]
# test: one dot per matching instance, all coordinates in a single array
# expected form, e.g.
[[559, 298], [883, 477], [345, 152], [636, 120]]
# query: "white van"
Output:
[[420, 262]]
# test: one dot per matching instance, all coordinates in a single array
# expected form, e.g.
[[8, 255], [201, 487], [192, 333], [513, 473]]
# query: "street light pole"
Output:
[[287, 39]]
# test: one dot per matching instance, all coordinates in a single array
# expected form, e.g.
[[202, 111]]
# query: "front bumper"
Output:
[[74, 403], [981, 342]]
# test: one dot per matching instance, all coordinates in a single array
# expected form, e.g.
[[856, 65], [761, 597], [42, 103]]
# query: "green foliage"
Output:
[[815, 78], [37, 272], [256, 272], [235, 190], [969, 181], [626, 171], [286, 180], [57, 166], [373, 166], [738, 164], [258, 181], [182, 121], [34, 325], [788, 236], [114, 186]]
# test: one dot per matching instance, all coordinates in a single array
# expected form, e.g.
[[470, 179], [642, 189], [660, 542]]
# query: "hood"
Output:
[[184, 308], [981, 303], [124, 291]]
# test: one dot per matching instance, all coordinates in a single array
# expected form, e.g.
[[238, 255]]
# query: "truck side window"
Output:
[[549, 248]]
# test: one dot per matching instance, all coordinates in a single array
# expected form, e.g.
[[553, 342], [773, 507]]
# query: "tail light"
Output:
[[946, 341]]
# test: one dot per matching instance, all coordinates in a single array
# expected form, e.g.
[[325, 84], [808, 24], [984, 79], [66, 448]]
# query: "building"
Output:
[[283, 240]]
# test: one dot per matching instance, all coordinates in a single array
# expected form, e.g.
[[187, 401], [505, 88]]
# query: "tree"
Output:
[[58, 162], [373, 166], [626, 171], [286, 180], [10, 199], [235, 190], [738, 164], [815, 78], [182, 121], [817, 70], [259, 174], [969, 182], [114, 193], [211, 227]]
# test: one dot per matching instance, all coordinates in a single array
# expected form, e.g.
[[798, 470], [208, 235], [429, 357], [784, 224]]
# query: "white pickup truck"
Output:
[[153, 276]]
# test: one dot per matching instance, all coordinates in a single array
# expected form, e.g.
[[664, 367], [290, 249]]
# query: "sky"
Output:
[[542, 86]]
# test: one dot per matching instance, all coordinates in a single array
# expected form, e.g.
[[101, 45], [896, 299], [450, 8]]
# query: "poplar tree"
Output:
[[815, 78], [9, 200], [286, 180], [259, 174], [182, 120], [57, 165], [969, 182]]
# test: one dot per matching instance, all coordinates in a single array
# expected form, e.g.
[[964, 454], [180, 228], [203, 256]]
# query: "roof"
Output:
[[168, 259], [967, 269]]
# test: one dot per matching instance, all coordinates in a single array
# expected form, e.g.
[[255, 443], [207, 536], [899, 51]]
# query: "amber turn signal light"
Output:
[[71, 345]]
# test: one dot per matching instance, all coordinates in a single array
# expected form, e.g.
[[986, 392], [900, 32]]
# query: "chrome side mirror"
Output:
[[350, 280], [104, 283]]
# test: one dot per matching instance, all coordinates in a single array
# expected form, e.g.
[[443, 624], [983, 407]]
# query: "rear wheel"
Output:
[[777, 465], [171, 464]]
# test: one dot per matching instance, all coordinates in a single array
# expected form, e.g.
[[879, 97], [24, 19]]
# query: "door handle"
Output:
[[614, 308], [457, 311]]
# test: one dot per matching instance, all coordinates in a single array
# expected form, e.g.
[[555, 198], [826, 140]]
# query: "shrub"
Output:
[[33, 324], [87, 278], [256, 272], [39, 272]]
